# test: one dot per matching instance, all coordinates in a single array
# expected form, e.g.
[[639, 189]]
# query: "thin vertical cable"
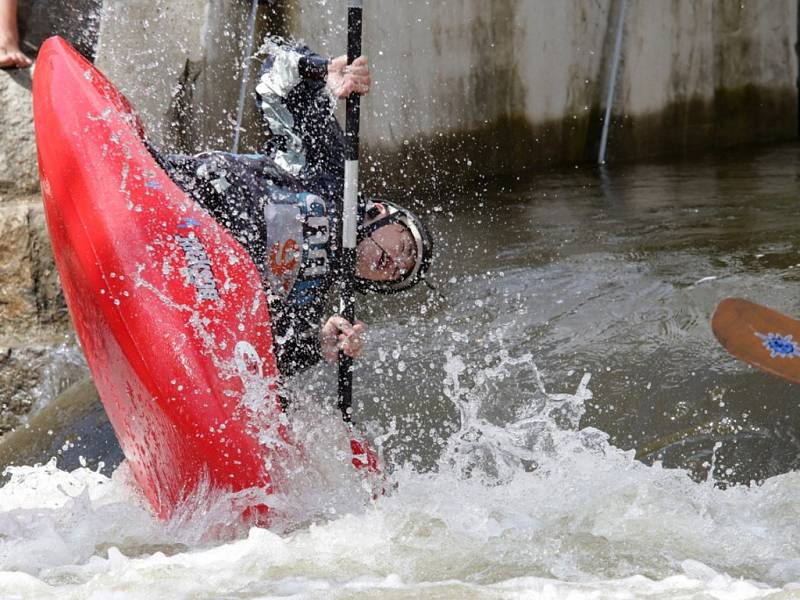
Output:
[[612, 81], [248, 50]]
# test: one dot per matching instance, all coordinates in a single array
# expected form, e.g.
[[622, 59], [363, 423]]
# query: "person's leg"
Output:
[[10, 53]]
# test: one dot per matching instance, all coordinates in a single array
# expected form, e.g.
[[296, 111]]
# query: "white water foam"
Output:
[[534, 508]]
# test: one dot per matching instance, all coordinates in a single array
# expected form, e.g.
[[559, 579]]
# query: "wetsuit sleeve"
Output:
[[297, 111]]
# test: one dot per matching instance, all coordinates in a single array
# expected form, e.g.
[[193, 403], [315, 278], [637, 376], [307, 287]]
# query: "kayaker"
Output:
[[284, 206]]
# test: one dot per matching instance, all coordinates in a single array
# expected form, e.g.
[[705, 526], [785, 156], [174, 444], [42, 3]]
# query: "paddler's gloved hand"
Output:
[[338, 334], [343, 80]]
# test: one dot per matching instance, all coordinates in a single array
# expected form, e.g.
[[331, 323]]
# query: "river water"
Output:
[[556, 420]]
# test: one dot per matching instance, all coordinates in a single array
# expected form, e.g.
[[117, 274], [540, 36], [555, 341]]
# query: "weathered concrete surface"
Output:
[[466, 85], [755, 66], [706, 75], [462, 87], [510, 84], [666, 82], [461, 64], [179, 62]]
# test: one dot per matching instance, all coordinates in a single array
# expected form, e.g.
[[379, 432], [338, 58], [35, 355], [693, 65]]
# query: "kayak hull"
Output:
[[168, 307]]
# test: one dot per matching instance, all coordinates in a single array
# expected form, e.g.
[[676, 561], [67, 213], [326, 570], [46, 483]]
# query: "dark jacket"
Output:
[[284, 205]]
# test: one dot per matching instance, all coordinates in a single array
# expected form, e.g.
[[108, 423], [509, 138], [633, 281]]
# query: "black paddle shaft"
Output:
[[353, 114], [350, 210]]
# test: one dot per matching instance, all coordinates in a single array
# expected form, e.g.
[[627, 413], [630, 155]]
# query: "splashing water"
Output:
[[496, 452], [535, 506], [65, 366]]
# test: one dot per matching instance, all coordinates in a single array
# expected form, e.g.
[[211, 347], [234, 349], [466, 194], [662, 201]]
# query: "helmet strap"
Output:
[[367, 230]]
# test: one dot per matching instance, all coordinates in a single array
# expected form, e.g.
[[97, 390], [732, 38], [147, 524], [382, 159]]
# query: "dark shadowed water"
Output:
[[614, 273]]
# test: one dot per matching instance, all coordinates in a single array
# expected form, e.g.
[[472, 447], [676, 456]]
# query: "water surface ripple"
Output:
[[557, 419]]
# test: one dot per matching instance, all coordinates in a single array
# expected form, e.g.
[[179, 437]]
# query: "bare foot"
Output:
[[10, 54]]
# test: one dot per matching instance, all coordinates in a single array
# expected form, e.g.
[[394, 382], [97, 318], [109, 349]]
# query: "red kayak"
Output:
[[168, 307]]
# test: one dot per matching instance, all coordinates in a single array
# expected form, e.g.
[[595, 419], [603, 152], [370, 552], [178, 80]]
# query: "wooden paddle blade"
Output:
[[759, 336]]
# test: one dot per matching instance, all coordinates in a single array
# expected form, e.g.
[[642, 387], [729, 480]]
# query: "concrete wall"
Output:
[[460, 64], [706, 75], [512, 84], [180, 63], [462, 85]]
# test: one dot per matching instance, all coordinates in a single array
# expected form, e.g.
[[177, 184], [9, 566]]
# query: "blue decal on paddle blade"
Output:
[[779, 345]]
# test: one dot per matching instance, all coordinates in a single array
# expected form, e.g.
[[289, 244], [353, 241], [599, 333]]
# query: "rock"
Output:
[[19, 173], [33, 374], [17, 301], [51, 308], [38, 353], [30, 293], [73, 429]]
